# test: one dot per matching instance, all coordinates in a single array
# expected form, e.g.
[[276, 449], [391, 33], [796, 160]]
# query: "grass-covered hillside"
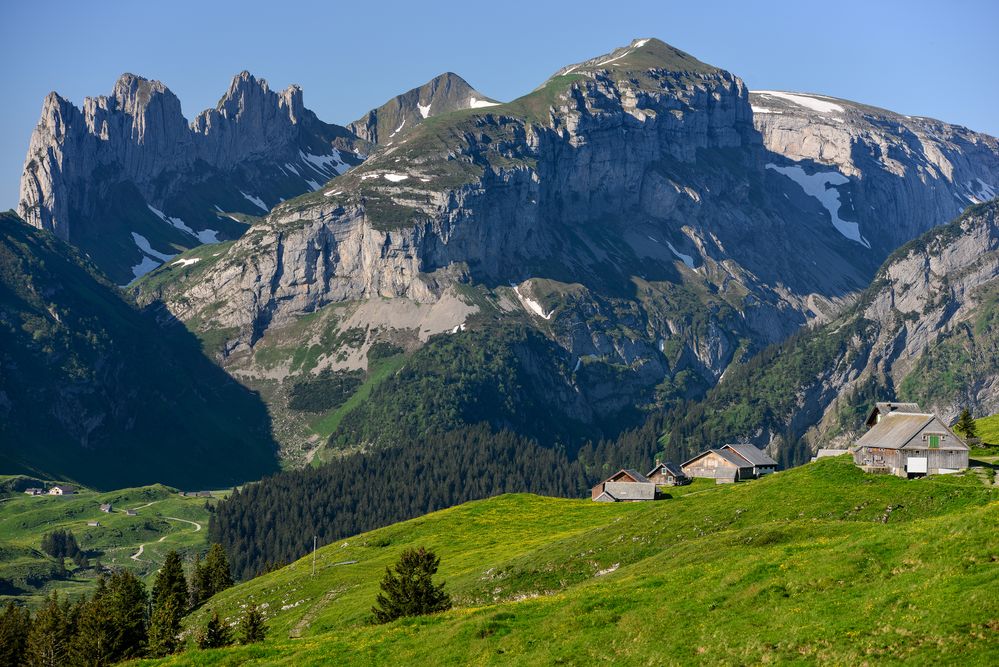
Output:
[[819, 564], [164, 520]]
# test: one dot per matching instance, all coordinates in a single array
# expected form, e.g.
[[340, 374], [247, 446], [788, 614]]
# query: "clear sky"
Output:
[[917, 57]]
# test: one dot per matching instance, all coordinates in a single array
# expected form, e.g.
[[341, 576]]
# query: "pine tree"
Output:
[[218, 577], [15, 624], [215, 634], [410, 591], [50, 634], [252, 628], [966, 425]]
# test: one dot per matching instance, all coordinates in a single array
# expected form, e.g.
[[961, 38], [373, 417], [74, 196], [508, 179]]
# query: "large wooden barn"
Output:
[[908, 443]]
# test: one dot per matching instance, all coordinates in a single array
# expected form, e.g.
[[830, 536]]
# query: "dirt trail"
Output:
[[137, 556]]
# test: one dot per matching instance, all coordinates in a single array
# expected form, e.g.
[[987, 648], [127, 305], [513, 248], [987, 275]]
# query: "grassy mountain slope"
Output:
[[161, 524], [96, 391], [821, 564]]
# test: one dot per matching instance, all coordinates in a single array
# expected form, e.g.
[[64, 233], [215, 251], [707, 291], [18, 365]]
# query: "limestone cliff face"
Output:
[[906, 174], [930, 322], [129, 162], [642, 166]]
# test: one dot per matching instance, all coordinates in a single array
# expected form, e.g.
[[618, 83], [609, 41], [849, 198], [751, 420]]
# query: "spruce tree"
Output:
[[170, 582], [197, 583], [252, 628], [50, 635], [410, 590], [169, 602], [164, 626], [215, 634], [127, 604], [966, 425], [217, 570], [15, 624]]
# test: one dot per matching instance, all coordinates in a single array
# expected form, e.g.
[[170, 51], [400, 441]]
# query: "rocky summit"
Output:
[[128, 180], [633, 209]]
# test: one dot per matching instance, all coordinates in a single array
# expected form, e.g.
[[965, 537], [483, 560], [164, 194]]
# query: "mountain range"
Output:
[[608, 247]]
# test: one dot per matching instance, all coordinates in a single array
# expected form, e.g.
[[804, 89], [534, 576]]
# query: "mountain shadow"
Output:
[[97, 391]]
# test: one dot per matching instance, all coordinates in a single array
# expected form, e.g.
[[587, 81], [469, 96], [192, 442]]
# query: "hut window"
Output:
[[934, 442]]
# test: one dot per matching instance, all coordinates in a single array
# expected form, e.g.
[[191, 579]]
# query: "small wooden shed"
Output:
[[667, 474], [625, 485], [761, 462]]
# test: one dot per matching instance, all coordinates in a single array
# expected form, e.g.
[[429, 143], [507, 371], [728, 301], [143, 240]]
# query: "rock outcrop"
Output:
[[129, 164], [899, 175]]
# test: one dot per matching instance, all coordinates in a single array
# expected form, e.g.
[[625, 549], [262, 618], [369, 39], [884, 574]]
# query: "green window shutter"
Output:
[[934, 442]]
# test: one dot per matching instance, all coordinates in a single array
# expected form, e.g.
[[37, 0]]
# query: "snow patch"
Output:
[[757, 109], [144, 267], [143, 244], [686, 259], [474, 103], [326, 164], [398, 128], [532, 305], [255, 200], [367, 176], [806, 101], [424, 110], [640, 43], [331, 193], [395, 178], [186, 261], [292, 167], [312, 184], [817, 185]]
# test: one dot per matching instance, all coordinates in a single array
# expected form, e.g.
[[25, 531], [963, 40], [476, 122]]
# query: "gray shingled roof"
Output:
[[753, 454], [631, 490], [894, 430], [728, 456], [888, 407]]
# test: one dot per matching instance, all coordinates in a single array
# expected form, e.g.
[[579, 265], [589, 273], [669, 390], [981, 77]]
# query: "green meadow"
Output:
[[819, 564], [164, 520]]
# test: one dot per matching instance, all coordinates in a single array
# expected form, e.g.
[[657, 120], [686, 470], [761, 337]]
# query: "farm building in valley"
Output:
[[667, 474], [730, 463], [62, 490], [624, 486], [903, 441]]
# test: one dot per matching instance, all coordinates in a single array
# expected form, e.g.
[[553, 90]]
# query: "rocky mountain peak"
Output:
[[642, 54], [442, 94]]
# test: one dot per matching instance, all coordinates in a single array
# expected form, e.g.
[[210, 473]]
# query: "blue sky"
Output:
[[917, 57]]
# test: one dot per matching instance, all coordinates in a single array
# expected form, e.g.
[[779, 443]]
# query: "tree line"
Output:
[[121, 620]]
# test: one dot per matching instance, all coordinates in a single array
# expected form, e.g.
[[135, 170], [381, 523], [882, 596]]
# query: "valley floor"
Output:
[[819, 564]]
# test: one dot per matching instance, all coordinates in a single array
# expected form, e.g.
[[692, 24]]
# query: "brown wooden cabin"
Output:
[[761, 462], [910, 445], [625, 485], [722, 466], [667, 474]]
